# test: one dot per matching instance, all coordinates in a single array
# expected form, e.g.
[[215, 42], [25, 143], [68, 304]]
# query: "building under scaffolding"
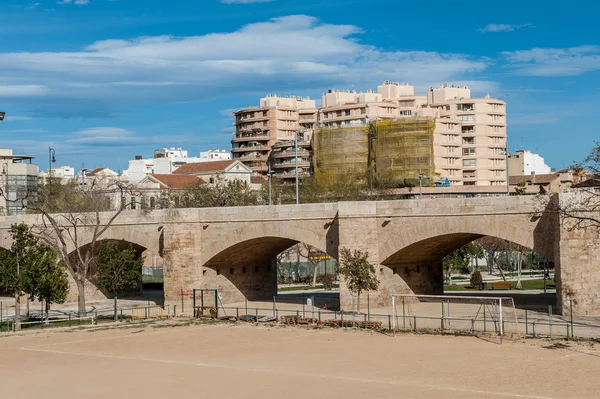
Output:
[[400, 149]]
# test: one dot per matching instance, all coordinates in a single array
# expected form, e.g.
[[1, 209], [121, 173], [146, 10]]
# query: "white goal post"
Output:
[[469, 314]]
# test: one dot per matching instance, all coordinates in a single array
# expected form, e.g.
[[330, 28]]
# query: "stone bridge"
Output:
[[234, 249]]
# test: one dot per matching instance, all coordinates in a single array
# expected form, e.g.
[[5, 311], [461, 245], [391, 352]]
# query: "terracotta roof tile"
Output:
[[198, 167], [176, 181], [96, 171]]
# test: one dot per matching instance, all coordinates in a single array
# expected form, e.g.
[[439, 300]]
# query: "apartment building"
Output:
[[276, 120], [283, 158], [469, 145], [18, 182], [470, 137]]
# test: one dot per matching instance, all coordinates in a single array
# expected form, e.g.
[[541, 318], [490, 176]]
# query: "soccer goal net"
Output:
[[469, 314]]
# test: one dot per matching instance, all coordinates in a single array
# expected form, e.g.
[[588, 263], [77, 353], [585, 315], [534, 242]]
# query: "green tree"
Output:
[[357, 272], [47, 279], [520, 189], [14, 264], [219, 193], [119, 269], [457, 260]]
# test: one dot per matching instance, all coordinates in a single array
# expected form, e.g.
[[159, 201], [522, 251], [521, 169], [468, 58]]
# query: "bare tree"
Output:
[[581, 211], [73, 221]]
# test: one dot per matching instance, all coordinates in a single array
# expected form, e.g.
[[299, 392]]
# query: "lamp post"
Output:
[[421, 174], [372, 136], [296, 150], [2, 115], [296, 162], [269, 175], [51, 160], [505, 153]]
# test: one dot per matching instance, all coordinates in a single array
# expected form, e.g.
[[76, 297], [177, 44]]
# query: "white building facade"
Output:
[[166, 161], [525, 162]]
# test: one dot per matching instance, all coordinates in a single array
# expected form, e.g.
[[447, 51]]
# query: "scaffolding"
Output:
[[340, 150], [400, 150]]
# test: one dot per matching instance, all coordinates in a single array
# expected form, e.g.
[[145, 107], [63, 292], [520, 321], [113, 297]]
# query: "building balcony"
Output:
[[290, 154], [262, 137], [249, 120], [253, 157], [251, 148], [291, 175], [291, 144], [292, 164]]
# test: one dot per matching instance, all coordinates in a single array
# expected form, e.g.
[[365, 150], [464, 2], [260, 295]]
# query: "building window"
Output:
[[231, 270], [468, 151], [468, 162], [464, 107], [152, 202], [347, 112], [405, 113], [123, 202], [363, 111], [132, 202], [244, 269], [465, 118], [469, 140], [468, 129]]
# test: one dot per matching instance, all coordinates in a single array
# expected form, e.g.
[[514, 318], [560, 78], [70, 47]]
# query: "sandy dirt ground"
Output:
[[244, 361]]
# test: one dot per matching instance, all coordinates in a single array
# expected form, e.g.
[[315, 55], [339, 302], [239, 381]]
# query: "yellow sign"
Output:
[[320, 257]]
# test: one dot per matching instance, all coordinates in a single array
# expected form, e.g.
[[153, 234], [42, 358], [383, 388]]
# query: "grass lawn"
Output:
[[303, 287], [525, 285]]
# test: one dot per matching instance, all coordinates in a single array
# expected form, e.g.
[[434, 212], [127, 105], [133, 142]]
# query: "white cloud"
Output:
[[78, 2], [22, 90], [245, 1], [494, 28], [15, 118], [283, 54], [103, 136], [555, 62]]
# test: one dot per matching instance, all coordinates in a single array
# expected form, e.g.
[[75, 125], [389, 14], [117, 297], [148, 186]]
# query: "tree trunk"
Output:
[[115, 304], [17, 321], [80, 297], [358, 303], [47, 311], [27, 298], [500, 270], [315, 270], [519, 266]]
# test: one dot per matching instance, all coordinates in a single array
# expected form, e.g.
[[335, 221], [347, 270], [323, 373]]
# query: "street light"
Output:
[[505, 153], [51, 160], [372, 136], [296, 153], [270, 174], [2, 115]]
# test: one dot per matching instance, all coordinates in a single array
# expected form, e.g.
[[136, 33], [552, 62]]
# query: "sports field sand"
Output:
[[244, 361]]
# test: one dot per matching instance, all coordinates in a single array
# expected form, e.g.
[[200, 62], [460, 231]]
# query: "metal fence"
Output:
[[37, 320], [533, 327]]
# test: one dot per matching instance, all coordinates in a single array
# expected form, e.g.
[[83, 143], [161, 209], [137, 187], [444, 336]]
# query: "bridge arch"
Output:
[[411, 258], [243, 264]]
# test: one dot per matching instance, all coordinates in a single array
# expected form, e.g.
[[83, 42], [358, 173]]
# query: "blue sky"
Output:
[[104, 80]]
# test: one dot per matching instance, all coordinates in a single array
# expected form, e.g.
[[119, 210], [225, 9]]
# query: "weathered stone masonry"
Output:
[[234, 249]]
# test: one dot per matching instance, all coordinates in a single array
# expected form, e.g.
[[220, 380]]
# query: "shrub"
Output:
[[476, 280]]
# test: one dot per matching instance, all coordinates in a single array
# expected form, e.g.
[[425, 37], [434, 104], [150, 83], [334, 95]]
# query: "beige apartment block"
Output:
[[277, 119], [469, 139]]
